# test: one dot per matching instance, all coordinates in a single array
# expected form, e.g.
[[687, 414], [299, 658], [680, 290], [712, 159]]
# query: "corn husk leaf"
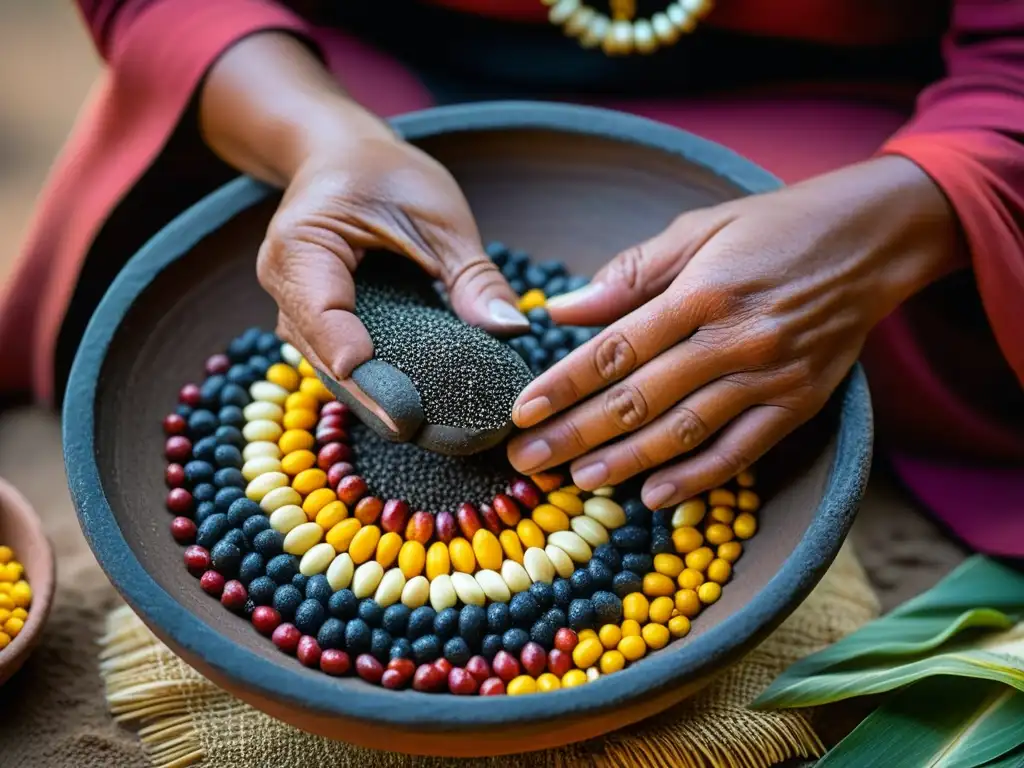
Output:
[[966, 626], [977, 723]]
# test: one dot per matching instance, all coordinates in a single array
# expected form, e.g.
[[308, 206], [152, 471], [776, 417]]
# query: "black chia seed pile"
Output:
[[465, 377], [429, 481]]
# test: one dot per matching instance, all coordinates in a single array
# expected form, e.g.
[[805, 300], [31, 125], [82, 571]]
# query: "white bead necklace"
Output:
[[620, 34]]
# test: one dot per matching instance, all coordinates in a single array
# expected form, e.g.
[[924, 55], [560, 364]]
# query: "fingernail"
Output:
[[533, 411], [535, 453], [568, 299], [505, 314], [591, 476], [657, 496]]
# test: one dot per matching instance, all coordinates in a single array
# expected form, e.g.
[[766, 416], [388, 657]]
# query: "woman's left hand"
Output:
[[731, 328]]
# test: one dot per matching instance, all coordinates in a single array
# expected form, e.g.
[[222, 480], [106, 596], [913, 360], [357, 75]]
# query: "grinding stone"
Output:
[[471, 383]]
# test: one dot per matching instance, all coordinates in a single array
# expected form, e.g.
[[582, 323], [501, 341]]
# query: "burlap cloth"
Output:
[[53, 713]]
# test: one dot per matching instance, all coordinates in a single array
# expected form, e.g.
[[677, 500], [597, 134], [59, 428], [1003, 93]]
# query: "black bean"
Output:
[[608, 555], [225, 558], [538, 359], [626, 583], [203, 491], [268, 543], [299, 581], [309, 617], [498, 618], [661, 541], [600, 574], [472, 624], [343, 604], [543, 593], [535, 277], [446, 623], [229, 477], [231, 416], [556, 286], [209, 390], [637, 563], [243, 346], [560, 354], [262, 589], [554, 339], [524, 609], [520, 258], [287, 599], [537, 330], [228, 437], [380, 645], [183, 410], [579, 336], [636, 513], [234, 395], [396, 619], [426, 649], [228, 456], [538, 316], [237, 538], [490, 646], [631, 538], [421, 622], [331, 635], [226, 497], [498, 253], [516, 284], [318, 588], [607, 608], [582, 583], [282, 568], [202, 423], [241, 510], [371, 612], [242, 375], [456, 651], [514, 640], [581, 615], [212, 530], [198, 473], [401, 649], [576, 282], [563, 592], [205, 449], [543, 634], [252, 568], [556, 618], [661, 518], [358, 637], [512, 271], [253, 527], [204, 511], [259, 364]]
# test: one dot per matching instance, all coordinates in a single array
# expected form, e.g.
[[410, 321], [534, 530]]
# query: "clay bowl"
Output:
[[562, 182], [21, 530]]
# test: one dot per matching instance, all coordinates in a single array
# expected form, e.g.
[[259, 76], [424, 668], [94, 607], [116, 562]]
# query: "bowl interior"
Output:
[[554, 193]]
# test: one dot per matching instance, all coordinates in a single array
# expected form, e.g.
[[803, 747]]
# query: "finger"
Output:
[[610, 356], [741, 444], [621, 409], [308, 272], [637, 274], [685, 427]]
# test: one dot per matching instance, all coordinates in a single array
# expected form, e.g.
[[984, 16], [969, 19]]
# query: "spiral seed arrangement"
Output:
[[528, 584]]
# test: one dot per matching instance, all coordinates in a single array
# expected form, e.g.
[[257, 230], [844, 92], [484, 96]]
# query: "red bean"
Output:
[[197, 560], [212, 583], [525, 492], [469, 520], [393, 679], [420, 527], [533, 659], [330, 435], [335, 408], [368, 509], [351, 489], [178, 448], [217, 364], [190, 395], [329, 421], [179, 501], [505, 666], [395, 516], [507, 510], [331, 454], [444, 665], [566, 640], [427, 678], [490, 519], [461, 683], [444, 526], [234, 596], [368, 668], [559, 662], [286, 637], [493, 686], [265, 619], [183, 530], [174, 475], [308, 651], [478, 668], [405, 667], [174, 424], [334, 662], [339, 472]]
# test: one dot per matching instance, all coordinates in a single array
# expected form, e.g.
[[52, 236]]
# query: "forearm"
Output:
[[268, 104]]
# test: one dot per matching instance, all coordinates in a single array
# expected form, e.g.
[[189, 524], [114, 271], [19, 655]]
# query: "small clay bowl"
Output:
[[21, 530], [561, 182]]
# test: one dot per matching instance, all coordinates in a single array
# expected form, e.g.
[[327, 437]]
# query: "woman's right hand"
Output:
[[270, 108]]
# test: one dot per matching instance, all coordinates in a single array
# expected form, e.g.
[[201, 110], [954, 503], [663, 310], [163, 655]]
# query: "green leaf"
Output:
[[952, 723], [961, 627]]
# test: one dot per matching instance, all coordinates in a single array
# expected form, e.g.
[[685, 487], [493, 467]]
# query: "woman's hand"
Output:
[[737, 323], [271, 109]]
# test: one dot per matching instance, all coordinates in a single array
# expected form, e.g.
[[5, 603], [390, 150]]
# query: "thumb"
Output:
[[477, 290], [635, 276]]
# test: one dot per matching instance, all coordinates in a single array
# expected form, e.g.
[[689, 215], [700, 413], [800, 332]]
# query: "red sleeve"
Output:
[[968, 135]]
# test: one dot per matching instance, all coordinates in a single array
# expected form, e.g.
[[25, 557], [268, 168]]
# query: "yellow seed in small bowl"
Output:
[[330, 514], [411, 559], [730, 551], [719, 570], [636, 607], [670, 565], [461, 553], [530, 533], [745, 479], [718, 533], [309, 480], [364, 544], [341, 535], [300, 401], [747, 501], [688, 602], [612, 661], [745, 525], [633, 647], [686, 539], [521, 686], [295, 440], [679, 626], [630, 628], [658, 585], [709, 592], [299, 419], [587, 652], [487, 549], [548, 682], [317, 500], [511, 546], [722, 515], [690, 513], [574, 678], [661, 609], [609, 635], [722, 497], [690, 578], [388, 547], [438, 561], [700, 559], [656, 636]]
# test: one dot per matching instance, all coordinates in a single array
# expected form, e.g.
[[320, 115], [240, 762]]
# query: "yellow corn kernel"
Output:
[[21, 594], [6, 555], [655, 635], [636, 606], [532, 299], [630, 628], [686, 539], [284, 376], [587, 652], [719, 570], [658, 584], [548, 682], [438, 562], [722, 515], [573, 678], [612, 661], [13, 626], [388, 547], [679, 626], [670, 565], [745, 479], [730, 551], [530, 533], [709, 592], [411, 559], [511, 545], [745, 525], [700, 559], [341, 535], [747, 501], [461, 553], [722, 497], [687, 602], [609, 635], [633, 647], [487, 550], [661, 610], [690, 578], [521, 686]]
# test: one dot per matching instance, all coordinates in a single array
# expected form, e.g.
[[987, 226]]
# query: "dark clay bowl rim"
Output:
[[710, 651], [15, 508]]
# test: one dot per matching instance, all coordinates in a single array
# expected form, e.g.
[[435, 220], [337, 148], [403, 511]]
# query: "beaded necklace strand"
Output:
[[621, 33]]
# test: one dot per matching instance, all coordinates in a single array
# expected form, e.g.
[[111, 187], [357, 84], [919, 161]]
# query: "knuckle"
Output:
[[629, 267], [573, 436], [686, 428], [725, 465], [638, 457], [626, 407], [614, 357], [768, 344]]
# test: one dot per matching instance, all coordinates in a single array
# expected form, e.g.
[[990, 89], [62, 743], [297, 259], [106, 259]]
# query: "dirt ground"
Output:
[[47, 65]]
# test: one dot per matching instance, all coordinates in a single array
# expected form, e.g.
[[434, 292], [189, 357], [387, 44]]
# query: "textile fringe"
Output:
[[141, 696]]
